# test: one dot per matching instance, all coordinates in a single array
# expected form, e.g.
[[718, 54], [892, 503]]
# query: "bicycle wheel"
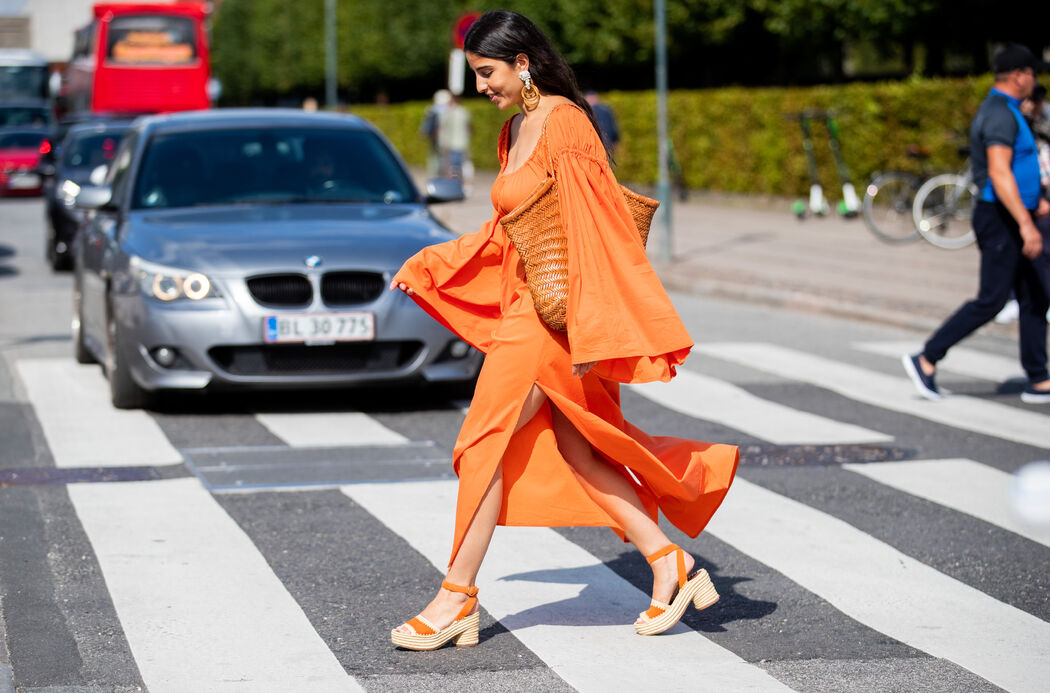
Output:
[[943, 210], [887, 206]]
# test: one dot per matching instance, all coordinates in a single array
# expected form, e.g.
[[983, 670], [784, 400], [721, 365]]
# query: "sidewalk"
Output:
[[725, 247]]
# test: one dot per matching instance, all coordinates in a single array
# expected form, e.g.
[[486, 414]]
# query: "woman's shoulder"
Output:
[[569, 127]]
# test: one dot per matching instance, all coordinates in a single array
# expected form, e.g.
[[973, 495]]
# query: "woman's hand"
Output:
[[403, 286], [580, 369]]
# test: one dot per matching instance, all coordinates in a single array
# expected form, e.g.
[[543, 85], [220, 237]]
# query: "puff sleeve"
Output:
[[458, 283], [618, 313]]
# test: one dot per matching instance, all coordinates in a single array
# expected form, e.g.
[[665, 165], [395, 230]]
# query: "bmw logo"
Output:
[[313, 261]]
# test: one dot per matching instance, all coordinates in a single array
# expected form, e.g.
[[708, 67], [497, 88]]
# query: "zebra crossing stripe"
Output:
[[961, 360], [893, 393], [561, 602], [885, 589], [201, 608], [710, 399], [318, 429], [82, 427], [963, 485]]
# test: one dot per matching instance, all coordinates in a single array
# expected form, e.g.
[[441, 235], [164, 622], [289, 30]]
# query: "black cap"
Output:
[[1014, 56]]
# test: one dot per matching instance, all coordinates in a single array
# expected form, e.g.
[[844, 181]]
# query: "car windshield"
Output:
[[90, 150], [13, 116], [21, 140], [269, 166], [23, 81]]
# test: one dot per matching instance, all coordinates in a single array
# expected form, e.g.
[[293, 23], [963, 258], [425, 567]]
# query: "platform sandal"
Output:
[[697, 589], [464, 630]]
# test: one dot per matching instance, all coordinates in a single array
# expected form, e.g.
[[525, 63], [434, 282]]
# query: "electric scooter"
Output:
[[817, 203], [849, 205]]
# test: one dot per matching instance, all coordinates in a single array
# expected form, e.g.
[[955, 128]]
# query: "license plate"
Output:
[[319, 328], [22, 181]]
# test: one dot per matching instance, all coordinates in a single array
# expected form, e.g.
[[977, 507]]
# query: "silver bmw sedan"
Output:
[[252, 248]]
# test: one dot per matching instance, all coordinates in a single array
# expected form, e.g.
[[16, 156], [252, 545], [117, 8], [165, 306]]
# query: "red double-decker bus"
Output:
[[140, 58]]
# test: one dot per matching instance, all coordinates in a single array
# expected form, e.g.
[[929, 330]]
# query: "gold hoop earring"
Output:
[[530, 96]]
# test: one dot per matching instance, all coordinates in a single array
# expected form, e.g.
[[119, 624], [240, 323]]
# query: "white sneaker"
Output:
[[1009, 313]]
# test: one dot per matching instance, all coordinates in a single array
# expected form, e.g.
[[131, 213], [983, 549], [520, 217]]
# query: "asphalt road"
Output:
[[270, 542]]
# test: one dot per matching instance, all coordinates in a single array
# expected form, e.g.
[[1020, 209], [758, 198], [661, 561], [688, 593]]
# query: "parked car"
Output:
[[253, 248], [19, 157], [84, 148]]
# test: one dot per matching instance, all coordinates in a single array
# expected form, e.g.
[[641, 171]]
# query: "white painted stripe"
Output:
[[82, 427], [961, 360], [715, 400], [964, 485], [561, 602], [885, 589], [319, 429], [201, 608], [881, 390]]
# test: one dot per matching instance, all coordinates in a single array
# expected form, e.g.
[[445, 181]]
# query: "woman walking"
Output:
[[544, 442]]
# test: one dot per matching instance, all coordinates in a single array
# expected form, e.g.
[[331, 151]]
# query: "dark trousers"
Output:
[[1003, 268]]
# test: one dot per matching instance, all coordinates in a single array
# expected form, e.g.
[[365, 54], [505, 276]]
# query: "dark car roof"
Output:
[[24, 103], [233, 118], [20, 130], [98, 127]]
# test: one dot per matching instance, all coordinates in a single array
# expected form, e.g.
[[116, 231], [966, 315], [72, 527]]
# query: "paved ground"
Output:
[[741, 248]]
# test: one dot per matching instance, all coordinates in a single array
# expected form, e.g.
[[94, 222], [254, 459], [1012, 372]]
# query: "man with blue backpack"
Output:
[[1006, 171]]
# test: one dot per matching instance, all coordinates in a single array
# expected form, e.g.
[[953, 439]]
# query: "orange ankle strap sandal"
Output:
[[463, 630], [697, 588]]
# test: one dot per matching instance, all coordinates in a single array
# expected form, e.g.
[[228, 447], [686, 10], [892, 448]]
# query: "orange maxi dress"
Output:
[[618, 315]]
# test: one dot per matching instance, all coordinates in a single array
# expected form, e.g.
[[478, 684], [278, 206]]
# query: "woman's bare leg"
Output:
[[616, 496], [464, 570]]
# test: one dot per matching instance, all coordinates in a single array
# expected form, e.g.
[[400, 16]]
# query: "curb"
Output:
[[821, 305]]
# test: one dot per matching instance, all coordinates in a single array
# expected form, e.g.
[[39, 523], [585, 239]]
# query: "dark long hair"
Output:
[[502, 35]]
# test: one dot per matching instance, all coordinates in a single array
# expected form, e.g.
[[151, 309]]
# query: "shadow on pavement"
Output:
[[7, 251], [589, 609]]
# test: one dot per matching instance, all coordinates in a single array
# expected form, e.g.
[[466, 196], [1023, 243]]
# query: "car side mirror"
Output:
[[93, 197], [444, 190]]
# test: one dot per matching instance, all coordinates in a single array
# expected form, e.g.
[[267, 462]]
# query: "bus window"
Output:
[[151, 40]]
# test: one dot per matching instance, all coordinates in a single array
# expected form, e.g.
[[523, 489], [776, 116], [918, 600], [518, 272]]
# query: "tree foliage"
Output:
[[269, 50]]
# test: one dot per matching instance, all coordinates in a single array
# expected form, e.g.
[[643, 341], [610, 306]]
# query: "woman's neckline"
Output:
[[543, 133]]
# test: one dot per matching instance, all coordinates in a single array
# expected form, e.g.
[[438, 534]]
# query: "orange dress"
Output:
[[617, 315]]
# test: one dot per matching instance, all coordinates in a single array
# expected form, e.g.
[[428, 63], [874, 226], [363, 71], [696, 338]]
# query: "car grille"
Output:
[[298, 359], [281, 289], [348, 288]]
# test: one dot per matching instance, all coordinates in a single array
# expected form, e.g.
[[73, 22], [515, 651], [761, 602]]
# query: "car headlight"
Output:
[[67, 192], [168, 284]]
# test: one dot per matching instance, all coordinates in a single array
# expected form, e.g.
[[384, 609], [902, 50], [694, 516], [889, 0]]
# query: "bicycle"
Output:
[[943, 208], [889, 198]]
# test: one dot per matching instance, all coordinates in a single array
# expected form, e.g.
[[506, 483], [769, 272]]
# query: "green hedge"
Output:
[[742, 140]]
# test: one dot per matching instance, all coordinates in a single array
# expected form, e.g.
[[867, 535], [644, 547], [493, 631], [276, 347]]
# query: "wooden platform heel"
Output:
[[463, 631], [697, 589]]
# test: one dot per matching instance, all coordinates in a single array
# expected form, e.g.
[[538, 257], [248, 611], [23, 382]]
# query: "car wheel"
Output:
[[58, 261], [80, 350], [124, 392], [49, 246]]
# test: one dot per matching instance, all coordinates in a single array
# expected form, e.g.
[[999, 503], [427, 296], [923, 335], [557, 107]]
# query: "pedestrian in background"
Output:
[[608, 128], [1040, 122], [453, 139], [544, 442], [1035, 116], [1006, 171], [429, 127]]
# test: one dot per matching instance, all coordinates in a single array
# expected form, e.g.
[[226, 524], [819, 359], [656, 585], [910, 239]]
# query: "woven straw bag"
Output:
[[535, 229]]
